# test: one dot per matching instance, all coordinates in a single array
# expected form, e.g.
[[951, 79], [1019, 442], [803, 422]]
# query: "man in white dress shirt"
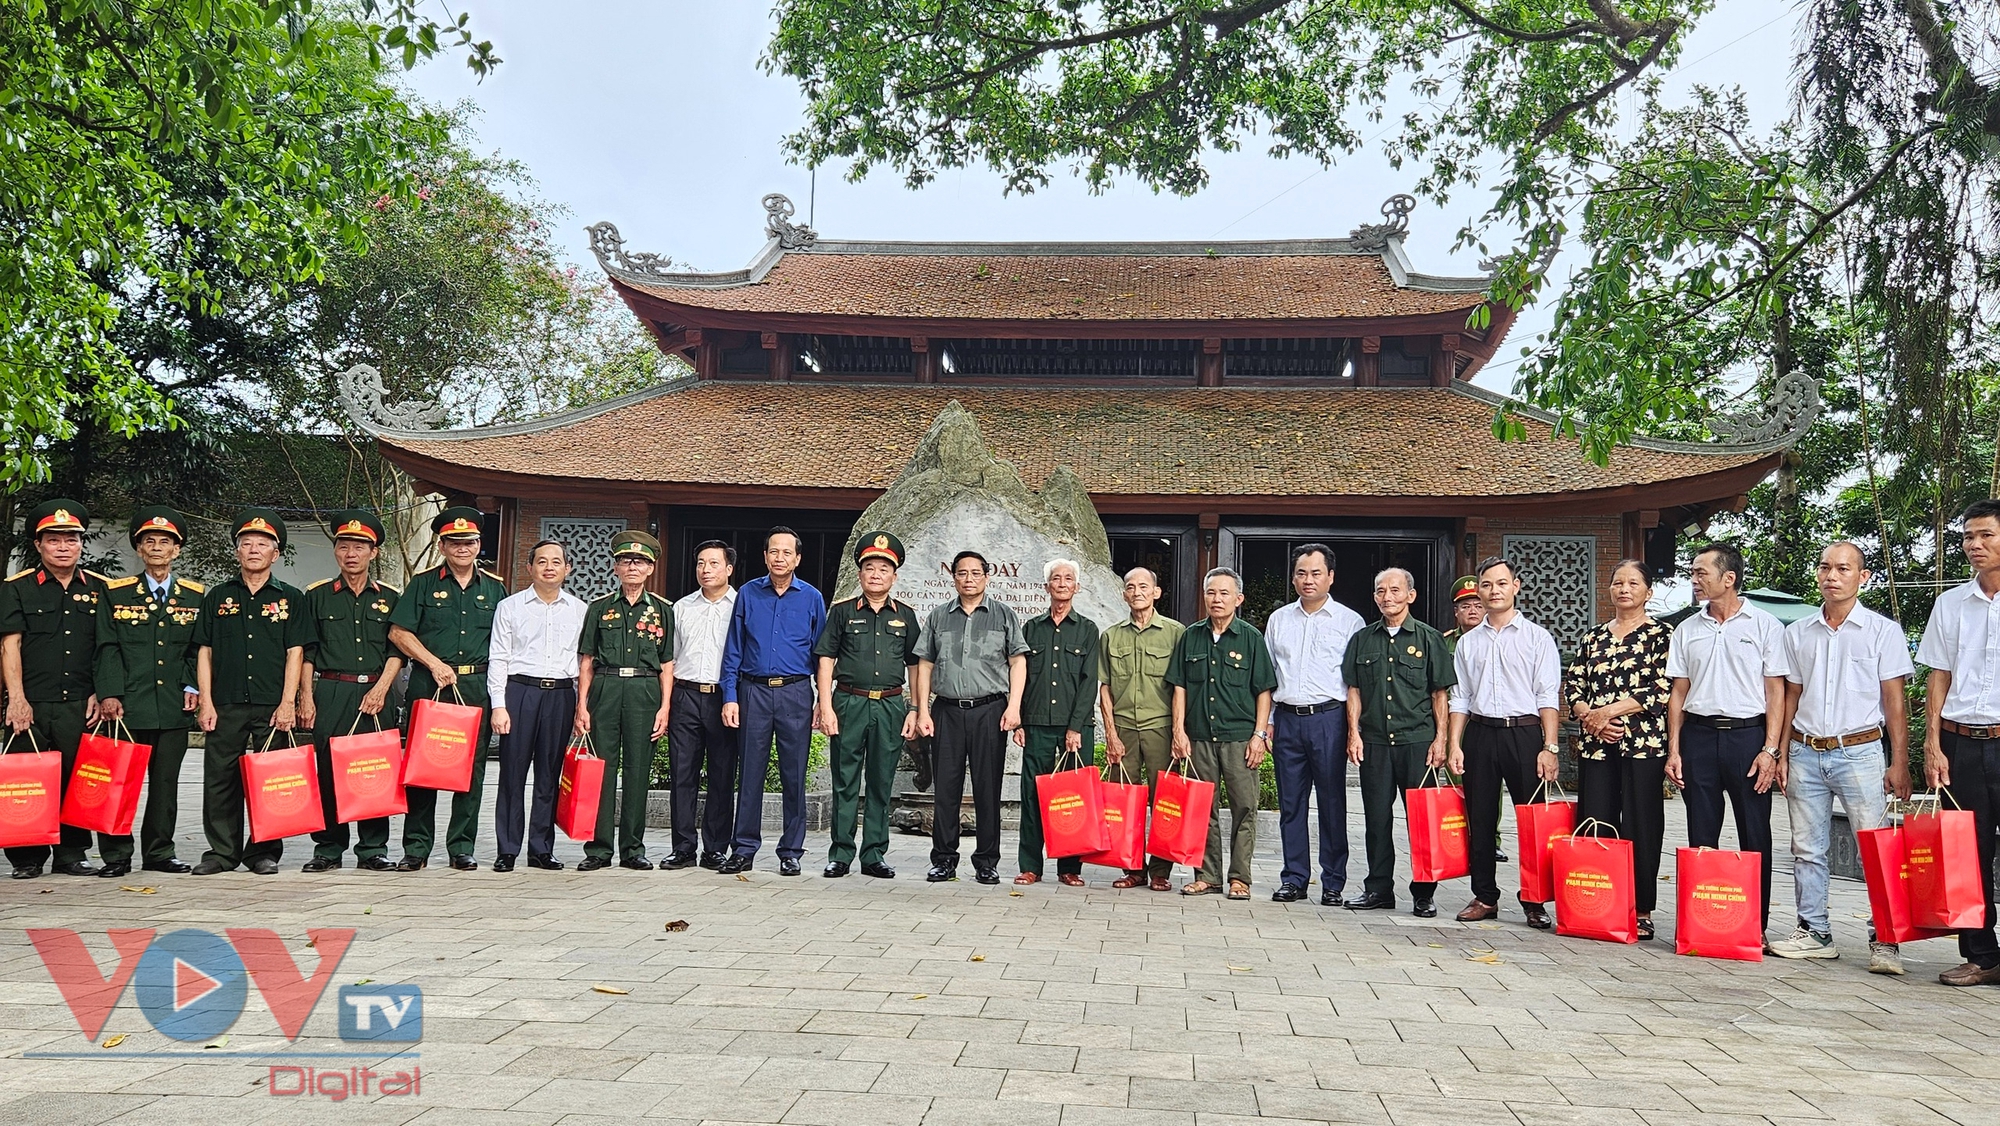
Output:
[[1962, 710], [1308, 737], [1503, 726], [697, 740], [532, 668], [1726, 713], [1845, 668]]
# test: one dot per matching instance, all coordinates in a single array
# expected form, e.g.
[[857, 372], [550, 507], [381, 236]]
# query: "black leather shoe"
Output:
[[75, 868], [1286, 893], [114, 870], [734, 865], [503, 863], [1537, 916], [834, 869], [1369, 901], [675, 861], [212, 867], [175, 867], [1500, 858], [376, 864], [1331, 899], [986, 875], [712, 861], [789, 867], [26, 872], [1424, 909], [544, 861], [320, 864], [879, 871], [464, 864], [587, 864], [264, 866], [413, 864], [941, 875], [636, 863]]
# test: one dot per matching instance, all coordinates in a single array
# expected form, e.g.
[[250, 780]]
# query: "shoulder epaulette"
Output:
[[395, 590], [21, 574], [494, 577], [121, 584], [198, 588], [319, 584], [98, 577]]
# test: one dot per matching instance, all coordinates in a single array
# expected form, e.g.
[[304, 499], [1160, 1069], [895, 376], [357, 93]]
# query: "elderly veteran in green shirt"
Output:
[[1056, 709], [863, 655], [250, 650], [145, 679], [1223, 679], [349, 671], [1138, 703], [1399, 672], [624, 689]]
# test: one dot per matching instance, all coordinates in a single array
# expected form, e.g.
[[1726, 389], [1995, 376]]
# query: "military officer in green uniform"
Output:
[[145, 678], [864, 654], [250, 649], [48, 653], [1057, 709], [349, 671], [625, 685], [444, 624]]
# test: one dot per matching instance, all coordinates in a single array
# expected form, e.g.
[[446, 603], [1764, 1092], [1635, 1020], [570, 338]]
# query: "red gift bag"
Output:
[[1595, 891], [444, 739], [1181, 807], [103, 791], [281, 789], [1437, 831], [1072, 809], [1947, 886], [1124, 826], [578, 790], [367, 773], [1539, 824], [1720, 904], [30, 794], [1885, 865]]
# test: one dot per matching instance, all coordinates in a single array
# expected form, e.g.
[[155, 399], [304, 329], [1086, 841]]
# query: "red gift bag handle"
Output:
[[1559, 793], [34, 745], [580, 740], [1577, 833], [1443, 779], [455, 694], [357, 722], [117, 725], [268, 739], [1124, 775]]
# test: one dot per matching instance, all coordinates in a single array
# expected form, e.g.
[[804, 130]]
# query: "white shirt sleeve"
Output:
[[499, 653], [1893, 657], [1677, 654], [1939, 647], [1548, 673], [1459, 702], [1777, 659]]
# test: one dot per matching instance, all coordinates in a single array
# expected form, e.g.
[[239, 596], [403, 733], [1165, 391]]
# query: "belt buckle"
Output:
[[774, 682], [462, 670], [629, 673], [875, 694], [705, 689]]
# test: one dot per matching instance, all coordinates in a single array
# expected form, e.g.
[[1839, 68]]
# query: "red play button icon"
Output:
[[191, 985]]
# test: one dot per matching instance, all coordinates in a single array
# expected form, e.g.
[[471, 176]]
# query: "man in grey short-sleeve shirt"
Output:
[[973, 655]]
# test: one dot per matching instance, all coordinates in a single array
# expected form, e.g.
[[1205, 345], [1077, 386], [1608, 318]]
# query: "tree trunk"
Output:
[[1786, 531]]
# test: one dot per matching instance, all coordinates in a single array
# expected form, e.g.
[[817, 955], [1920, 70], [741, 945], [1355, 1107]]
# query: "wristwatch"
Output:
[[1772, 751], [1551, 749]]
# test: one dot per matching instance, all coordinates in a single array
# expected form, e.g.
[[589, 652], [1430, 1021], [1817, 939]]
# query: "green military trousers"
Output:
[[1039, 754], [864, 755], [1148, 754], [420, 822], [58, 726], [239, 729], [621, 731], [163, 799], [337, 712]]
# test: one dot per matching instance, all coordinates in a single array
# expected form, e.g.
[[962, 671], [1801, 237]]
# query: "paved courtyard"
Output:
[[888, 1003]]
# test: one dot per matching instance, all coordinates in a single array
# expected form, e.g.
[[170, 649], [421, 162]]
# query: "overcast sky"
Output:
[[656, 116]]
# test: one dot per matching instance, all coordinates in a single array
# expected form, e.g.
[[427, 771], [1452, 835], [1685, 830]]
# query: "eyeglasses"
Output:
[[968, 574]]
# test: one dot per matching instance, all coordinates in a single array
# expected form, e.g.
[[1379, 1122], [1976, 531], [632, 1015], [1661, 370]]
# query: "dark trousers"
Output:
[[337, 704], [1493, 756], [239, 728], [1975, 783], [968, 738], [621, 729], [864, 755], [163, 800], [540, 723], [783, 715], [1715, 763], [1309, 756], [698, 743], [420, 822], [1386, 772], [59, 726], [1629, 794], [1039, 755]]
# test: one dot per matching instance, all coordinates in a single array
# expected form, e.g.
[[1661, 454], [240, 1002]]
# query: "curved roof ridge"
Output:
[[361, 416], [1787, 433]]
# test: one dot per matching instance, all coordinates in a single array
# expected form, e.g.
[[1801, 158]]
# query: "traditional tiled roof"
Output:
[[1143, 442]]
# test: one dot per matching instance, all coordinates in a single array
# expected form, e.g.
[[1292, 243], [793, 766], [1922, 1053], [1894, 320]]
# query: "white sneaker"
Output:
[[1885, 958], [1805, 944]]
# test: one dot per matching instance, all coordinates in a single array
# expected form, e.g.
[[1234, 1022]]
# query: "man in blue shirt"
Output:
[[767, 693]]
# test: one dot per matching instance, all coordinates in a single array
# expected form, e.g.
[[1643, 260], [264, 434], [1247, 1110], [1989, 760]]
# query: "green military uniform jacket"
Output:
[[248, 636], [145, 650], [350, 631], [1132, 662], [454, 622], [1395, 677], [871, 649], [621, 634], [58, 628], [1223, 678], [1062, 672]]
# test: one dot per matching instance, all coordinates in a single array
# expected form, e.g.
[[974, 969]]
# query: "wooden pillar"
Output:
[[657, 517], [1444, 364], [707, 354], [1206, 551], [776, 365], [1468, 544], [923, 361], [509, 509], [1368, 364], [1208, 373]]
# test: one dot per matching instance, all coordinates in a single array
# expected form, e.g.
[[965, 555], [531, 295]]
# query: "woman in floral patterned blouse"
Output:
[[1617, 691]]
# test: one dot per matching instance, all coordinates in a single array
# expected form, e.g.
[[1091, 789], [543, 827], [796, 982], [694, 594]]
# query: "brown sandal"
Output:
[[1070, 880], [1127, 882], [1200, 887], [1028, 878], [1163, 884], [1239, 890]]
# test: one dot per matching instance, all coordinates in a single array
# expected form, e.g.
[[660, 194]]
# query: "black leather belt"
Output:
[[351, 677], [549, 683], [625, 671], [969, 702], [1970, 731], [1507, 720], [1722, 722], [1314, 709], [1835, 742], [775, 681], [702, 686], [872, 693], [468, 670]]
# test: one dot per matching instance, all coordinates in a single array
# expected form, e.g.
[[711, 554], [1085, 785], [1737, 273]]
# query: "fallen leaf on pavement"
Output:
[[918, 996], [366, 981], [219, 1043], [140, 890], [1239, 969], [743, 877], [1015, 894], [678, 925], [977, 958], [611, 989], [1490, 957], [115, 1041]]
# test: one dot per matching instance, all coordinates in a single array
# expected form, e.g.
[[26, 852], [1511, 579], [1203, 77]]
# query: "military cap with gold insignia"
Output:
[[158, 518], [636, 543], [59, 516], [460, 521], [879, 545], [357, 524], [262, 521], [1466, 587]]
